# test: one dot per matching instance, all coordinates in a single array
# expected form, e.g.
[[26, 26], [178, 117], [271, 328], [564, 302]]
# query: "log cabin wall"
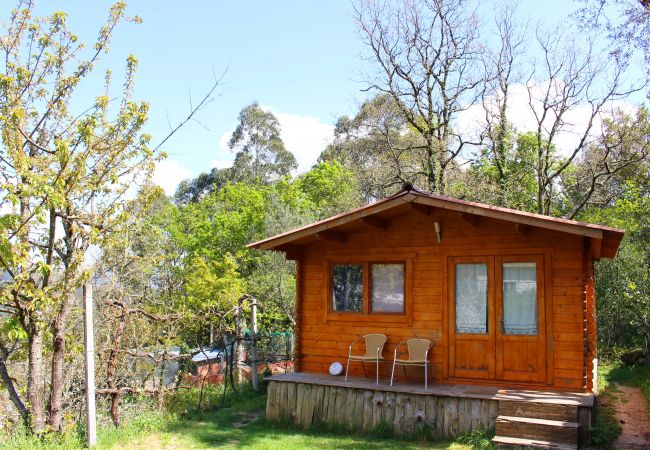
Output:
[[323, 337]]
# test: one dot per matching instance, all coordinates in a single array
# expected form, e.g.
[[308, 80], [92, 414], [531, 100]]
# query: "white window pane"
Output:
[[347, 287], [520, 298], [388, 288], [471, 298]]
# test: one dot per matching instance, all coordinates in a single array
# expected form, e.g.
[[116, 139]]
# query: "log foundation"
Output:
[[444, 411]]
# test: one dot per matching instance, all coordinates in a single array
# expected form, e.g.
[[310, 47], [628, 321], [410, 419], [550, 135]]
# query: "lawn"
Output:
[[243, 426], [238, 424]]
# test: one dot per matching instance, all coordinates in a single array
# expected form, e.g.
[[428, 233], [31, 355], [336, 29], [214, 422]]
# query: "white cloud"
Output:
[[304, 136], [168, 174], [522, 117]]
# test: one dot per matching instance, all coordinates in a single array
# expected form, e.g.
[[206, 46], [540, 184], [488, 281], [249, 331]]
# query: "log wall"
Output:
[[324, 337], [364, 409]]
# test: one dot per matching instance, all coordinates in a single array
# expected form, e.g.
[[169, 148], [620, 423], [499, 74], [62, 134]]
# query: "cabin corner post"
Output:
[[591, 349], [298, 315]]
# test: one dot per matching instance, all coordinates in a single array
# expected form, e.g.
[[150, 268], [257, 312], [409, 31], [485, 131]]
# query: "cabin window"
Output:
[[471, 298], [387, 285], [347, 287], [520, 298]]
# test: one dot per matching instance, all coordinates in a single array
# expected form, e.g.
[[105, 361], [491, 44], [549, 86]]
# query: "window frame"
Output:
[[366, 314]]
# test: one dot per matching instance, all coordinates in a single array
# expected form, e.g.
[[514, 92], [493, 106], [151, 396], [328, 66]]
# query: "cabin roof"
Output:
[[604, 240]]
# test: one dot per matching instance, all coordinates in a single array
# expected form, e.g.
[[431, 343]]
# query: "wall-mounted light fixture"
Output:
[[436, 225]]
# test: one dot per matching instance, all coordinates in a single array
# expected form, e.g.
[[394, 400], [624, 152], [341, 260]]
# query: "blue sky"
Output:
[[301, 59]]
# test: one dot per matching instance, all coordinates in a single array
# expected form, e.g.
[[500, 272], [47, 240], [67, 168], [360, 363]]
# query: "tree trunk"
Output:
[[11, 389], [58, 361], [111, 369], [36, 379]]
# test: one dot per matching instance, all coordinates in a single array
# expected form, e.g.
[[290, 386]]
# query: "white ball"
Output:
[[336, 368]]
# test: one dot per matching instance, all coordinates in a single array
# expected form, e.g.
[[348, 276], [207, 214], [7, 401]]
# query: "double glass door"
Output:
[[497, 321]]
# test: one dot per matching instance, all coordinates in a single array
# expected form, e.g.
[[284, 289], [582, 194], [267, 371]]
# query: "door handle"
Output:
[[501, 326]]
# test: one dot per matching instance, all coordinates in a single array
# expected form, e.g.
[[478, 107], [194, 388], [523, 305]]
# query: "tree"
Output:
[[623, 283], [194, 190], [429, 60], [138, 298], [65, 175], [569, 81], [616, 162], [379, 147], [499, 133], [626, 22], [261, 155], [331, 188]]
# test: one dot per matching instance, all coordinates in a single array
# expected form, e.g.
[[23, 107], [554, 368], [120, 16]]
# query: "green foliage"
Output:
[[478, 439], [379, 147], [623, 283], [606, 427], [638, 376], [331, 188]]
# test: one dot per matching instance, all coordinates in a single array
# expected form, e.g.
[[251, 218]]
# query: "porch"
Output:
[[521, 417]]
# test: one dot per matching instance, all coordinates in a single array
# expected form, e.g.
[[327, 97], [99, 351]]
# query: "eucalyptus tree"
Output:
[[260, 152], [379, 147]]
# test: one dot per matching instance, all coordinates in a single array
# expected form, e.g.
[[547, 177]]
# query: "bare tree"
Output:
[[568, 85], [622, 153], [505, 61], [429, 60], [626, 23]]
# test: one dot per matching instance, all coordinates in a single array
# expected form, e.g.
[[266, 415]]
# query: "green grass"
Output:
[[607, 428], [638, 376], [240, 423]]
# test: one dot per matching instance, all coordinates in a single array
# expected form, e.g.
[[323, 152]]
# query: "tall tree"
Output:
[[429, 59], [617, 162], [66, 166], [505, 60], [260, 152], [571, 91], [379, 147]]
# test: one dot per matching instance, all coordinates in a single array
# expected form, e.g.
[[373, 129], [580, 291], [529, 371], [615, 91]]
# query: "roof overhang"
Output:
[[604, 241]]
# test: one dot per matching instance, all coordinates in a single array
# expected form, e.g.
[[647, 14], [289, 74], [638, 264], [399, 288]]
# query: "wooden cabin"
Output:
[[506, 296]]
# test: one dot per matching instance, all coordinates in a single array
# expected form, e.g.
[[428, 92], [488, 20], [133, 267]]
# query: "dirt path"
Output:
[[632, 411]]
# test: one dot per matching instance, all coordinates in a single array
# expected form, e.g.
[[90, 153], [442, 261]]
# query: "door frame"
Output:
[[446, 343], [489, 373], [500, 336]]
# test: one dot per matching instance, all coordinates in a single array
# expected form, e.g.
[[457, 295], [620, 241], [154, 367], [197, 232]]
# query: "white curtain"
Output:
[[520, 298], [471, 298]]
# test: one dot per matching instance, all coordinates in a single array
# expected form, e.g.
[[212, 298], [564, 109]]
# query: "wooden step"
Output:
[[538, 429], [504, 441], [566, 413]]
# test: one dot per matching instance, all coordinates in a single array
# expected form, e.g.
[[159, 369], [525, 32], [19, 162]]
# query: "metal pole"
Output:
[[90, 365], [254, 332]]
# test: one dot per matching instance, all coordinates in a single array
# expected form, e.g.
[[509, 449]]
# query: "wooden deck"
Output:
[[444, 390]]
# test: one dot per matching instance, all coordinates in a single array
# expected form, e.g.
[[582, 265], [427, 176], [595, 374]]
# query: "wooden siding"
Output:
[[323, 339]]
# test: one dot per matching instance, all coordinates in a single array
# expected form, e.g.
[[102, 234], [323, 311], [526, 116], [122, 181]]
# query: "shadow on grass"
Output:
[[236, 426]]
